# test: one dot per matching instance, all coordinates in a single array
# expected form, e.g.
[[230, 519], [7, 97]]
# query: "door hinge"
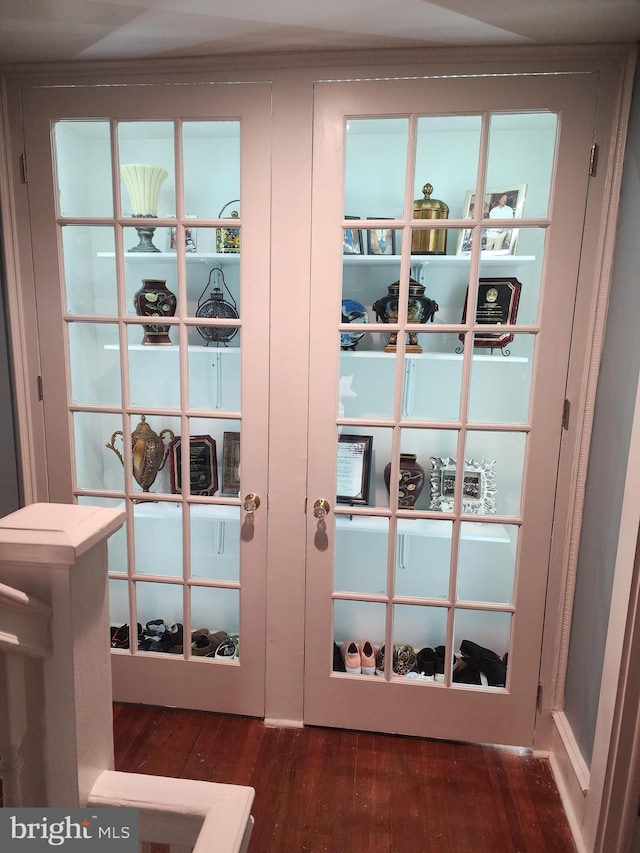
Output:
[[593, 160], [40, 388], [539, 698], [23, 169], [566, 412]]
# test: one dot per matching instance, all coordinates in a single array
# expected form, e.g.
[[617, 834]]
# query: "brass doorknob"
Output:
[[321, 508], [251, 502]]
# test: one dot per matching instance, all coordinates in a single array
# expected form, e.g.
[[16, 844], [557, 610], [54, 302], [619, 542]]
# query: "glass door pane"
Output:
[[437, 356], [161, 422]]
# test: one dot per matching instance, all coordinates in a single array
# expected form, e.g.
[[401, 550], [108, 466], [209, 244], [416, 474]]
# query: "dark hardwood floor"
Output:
[[354, 792]]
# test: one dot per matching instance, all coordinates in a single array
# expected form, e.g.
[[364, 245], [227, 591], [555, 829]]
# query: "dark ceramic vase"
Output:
[[154, 299], [411, 480]]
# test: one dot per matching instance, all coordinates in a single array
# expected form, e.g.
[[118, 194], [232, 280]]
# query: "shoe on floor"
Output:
[[426, 663], [367, 652], [404, 659], [380, 660], [338, 663], [351, 658], [229, 649]]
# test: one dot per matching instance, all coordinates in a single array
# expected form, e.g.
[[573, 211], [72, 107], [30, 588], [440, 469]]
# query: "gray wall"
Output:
[[9, 480], [607, 469]]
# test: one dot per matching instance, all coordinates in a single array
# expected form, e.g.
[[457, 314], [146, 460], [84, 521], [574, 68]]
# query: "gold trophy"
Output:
[[432, 241], [148, 452]]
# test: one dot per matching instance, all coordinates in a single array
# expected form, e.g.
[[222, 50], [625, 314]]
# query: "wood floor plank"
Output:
[[322, 790]]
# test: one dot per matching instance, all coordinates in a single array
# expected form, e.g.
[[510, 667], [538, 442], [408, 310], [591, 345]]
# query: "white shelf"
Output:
[[441, 260], [432, 356], [173, 347], [168, 511], [473, 531], [233, 257]]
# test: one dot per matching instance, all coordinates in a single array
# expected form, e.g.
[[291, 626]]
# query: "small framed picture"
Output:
[[478, 485], [203, 466], [500, 203], [353, 469], [231, 463], [189, 239], [381, 241], [352, 240]]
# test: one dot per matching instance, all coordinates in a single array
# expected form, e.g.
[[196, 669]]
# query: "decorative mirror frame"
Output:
[[479, 485]]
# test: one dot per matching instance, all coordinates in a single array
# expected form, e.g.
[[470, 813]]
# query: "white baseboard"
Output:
[[571, 775], [289, 724]]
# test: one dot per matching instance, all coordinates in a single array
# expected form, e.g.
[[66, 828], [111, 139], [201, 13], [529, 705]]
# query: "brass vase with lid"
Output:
[[432, 241]]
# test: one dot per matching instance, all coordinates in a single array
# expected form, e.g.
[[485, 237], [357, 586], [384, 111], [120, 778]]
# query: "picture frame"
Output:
[[190, 237], [203, 465], [353, 467], [352, 242], [503, 202], [381, 241], [478, 489], [231, 463], [497, 304]]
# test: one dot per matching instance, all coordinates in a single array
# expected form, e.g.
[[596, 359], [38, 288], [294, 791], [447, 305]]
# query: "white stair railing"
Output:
[[56, 717], [24, 641]]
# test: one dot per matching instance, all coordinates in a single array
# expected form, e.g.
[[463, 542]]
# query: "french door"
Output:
[[146, 208], [447, 220]]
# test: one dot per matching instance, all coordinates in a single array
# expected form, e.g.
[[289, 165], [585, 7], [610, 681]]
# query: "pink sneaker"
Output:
[[367, 657], [351, 657]]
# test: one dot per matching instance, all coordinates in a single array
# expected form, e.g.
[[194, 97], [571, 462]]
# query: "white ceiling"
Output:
[[61, 30]]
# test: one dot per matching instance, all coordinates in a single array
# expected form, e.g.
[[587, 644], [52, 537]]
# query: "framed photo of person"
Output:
[[381, 241], [500, 204], [352, 243], [353, 469]]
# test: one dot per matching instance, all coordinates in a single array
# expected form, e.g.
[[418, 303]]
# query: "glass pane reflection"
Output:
[[522, 151], [439, 139], [376, 146], [423, 558], [94, 357], [153, 383], [361, 546], [211, 154], [83, 168], [501, 384], [89, 269], [157, 539], [96, 466], [487, 562], [215, 542]]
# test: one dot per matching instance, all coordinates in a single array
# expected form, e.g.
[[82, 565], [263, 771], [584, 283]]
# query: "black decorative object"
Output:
[[216, 307], [420, 309]]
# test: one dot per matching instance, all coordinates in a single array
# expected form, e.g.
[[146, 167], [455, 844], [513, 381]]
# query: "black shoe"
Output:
[[486, 661], [426, 662]]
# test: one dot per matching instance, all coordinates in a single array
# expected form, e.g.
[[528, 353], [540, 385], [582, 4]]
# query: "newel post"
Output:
[[58, 553]]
